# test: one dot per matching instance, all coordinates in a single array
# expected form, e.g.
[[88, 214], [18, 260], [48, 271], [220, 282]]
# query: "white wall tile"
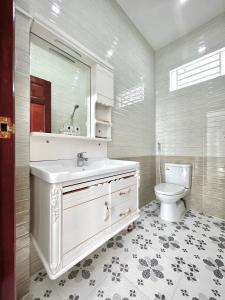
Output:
[[102, 26], [184, 117]]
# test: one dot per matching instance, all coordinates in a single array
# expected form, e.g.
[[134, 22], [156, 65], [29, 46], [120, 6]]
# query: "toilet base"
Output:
[[172, 212]]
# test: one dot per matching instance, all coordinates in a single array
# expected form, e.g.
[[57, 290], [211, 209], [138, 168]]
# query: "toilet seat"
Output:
[[169, 189]]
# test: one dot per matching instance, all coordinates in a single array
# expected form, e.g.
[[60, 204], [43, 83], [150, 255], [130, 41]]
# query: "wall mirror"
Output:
[[60, 90]]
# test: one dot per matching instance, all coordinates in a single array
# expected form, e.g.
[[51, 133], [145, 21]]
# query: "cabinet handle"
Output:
[[126, 213], [106, 213], [124, 192]]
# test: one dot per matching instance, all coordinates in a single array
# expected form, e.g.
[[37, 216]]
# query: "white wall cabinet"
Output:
[[71, 220], [104, 83], [102, 100]]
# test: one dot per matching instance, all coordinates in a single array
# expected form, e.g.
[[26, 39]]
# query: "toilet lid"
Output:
[[169, 189]]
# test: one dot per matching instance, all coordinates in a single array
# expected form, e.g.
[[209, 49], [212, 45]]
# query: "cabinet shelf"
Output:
[[102, 130], [102, 103], [65, 136], [106, 102], [103, 139], [106, 123]]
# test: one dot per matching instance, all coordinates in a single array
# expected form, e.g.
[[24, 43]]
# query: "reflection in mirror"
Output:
[[60, 90]]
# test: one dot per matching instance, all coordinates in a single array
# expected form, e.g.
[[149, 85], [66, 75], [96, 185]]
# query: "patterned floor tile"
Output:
[[42, 287], [205, 281], [153, 274], [117, 290], [152, 259], [92, 271]]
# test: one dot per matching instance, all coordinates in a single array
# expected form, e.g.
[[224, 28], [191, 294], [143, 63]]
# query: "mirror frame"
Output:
[[52, 34]]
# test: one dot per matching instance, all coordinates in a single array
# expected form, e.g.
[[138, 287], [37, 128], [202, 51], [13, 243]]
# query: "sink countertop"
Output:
[[59, 171]]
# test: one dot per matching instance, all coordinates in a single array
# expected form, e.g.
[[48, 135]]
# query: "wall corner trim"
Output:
[[23, 12]]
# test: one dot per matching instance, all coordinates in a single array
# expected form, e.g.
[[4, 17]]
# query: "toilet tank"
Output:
[[179, 174]]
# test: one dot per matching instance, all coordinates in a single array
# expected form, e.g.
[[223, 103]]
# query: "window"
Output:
[[199, 70]]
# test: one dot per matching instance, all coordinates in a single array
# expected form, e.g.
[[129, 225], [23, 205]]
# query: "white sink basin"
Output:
[[66, 170]]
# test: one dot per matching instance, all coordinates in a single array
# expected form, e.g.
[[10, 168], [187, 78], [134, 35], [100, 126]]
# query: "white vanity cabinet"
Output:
[[70, 220]]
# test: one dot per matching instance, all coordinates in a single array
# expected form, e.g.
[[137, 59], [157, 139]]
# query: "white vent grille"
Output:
[[207, 67]]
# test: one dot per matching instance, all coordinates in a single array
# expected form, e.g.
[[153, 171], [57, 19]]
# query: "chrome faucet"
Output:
[[81, 159]]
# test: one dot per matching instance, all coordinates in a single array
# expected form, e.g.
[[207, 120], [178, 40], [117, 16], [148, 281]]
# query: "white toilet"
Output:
[[177, 185]]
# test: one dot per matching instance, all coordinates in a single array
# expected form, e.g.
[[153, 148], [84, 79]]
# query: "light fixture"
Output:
[[55, 9], [183, 1], [201, 49], [109, 53]]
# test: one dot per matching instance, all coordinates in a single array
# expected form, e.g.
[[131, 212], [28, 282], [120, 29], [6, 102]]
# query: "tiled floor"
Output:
[[154, 260]]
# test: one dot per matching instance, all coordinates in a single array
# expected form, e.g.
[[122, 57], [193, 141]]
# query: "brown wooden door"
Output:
[[7, 153], [40, 105]]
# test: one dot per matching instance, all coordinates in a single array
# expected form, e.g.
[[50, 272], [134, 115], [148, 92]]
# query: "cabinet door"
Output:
[[104, 82], [81, 222]]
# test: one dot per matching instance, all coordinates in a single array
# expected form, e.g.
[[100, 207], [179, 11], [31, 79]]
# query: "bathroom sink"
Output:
[[66, 170]]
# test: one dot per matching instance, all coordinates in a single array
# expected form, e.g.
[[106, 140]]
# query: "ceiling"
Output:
[[163, 21]]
